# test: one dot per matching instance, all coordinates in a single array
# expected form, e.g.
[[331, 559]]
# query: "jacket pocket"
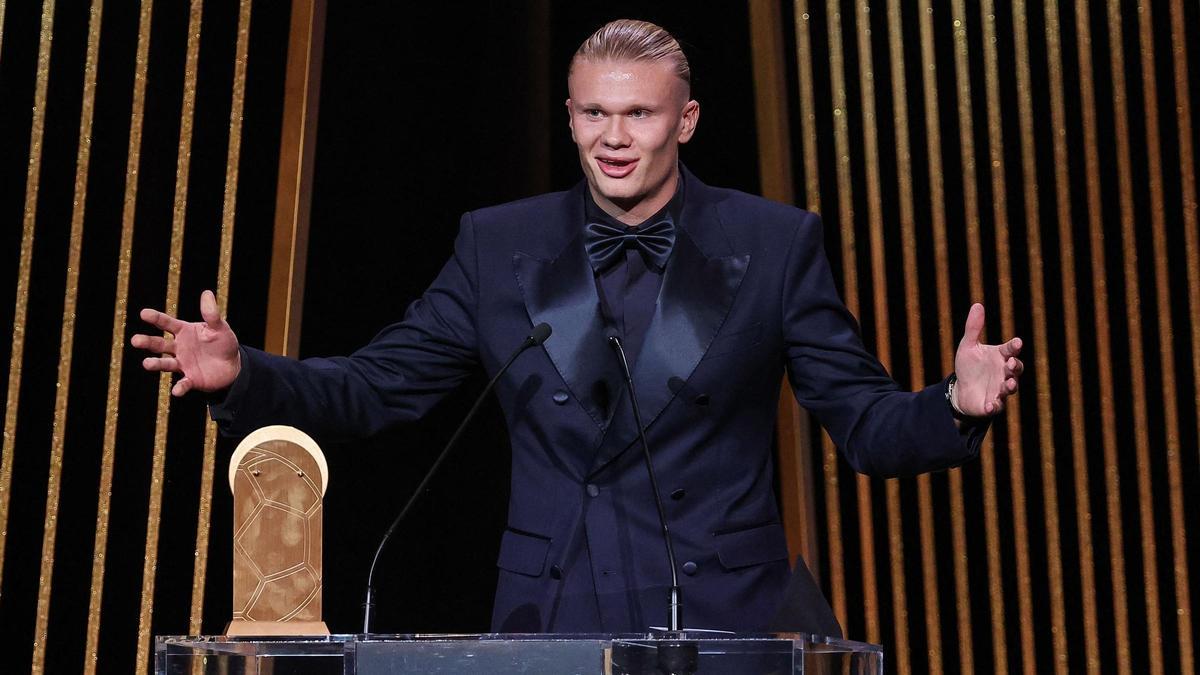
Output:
[[725, 344], [523, 553], [752, 546]]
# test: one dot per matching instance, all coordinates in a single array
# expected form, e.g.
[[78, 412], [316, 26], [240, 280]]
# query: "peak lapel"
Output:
[[562, 293], [697, 293]]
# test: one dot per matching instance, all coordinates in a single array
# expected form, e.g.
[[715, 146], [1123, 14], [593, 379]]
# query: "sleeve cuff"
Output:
[[223, 405]]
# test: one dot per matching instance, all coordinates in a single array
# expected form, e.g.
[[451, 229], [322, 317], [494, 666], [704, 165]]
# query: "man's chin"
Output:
[[620, 193]]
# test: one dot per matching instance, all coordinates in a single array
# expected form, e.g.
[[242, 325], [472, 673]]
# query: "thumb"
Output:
[[183, 386], [974, 327], [209, 309]]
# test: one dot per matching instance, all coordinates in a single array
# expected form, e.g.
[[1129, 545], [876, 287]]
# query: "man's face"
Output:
[[628, 118]]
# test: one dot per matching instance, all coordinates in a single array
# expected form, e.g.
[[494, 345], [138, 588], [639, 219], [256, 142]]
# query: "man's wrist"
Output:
[[952, 398]]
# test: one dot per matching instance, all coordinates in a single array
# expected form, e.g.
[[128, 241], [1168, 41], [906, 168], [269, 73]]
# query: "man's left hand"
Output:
[[987, 374]]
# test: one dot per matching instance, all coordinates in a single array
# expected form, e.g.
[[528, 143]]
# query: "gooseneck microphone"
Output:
[[537, 336], [675, 616], [675, 655]]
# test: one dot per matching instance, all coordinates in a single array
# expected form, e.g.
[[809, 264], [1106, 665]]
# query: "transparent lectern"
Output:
[[505, 654]]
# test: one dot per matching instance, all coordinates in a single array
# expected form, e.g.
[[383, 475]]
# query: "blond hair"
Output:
[[632, 40]]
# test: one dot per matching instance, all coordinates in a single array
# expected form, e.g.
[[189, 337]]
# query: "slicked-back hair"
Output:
[[632, 40]]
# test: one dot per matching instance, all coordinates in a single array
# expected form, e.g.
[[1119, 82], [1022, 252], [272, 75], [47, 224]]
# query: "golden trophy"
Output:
[[278, 476]]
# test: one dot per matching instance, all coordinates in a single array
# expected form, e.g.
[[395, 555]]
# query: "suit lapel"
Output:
[[698, 290], [562, 293]]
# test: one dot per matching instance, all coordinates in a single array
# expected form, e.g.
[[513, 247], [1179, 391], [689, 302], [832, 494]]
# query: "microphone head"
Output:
[[540, 333]]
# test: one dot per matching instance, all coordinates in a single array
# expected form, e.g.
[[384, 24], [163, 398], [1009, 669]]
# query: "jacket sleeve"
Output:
[[397, 377], [881, 429]]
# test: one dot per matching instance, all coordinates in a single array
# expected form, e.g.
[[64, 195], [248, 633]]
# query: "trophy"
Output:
[[278, 476]]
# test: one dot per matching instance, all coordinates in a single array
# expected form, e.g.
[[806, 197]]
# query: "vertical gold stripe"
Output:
[[866, 75], [1166, 349], [204, 511], [1136, 352], [829, 464], [1007, 324], [794, 458], [946, 336], [1187, 171], [1104, 370], [120, 312], [32, 180], [770, 110], [183, 161], [975, 260], [302, 88], [67, 339], [2, 2], [841, 133], [912, 290], [812, 197], [1083, 508], [833, 517], [808, 114], [1033, 238]]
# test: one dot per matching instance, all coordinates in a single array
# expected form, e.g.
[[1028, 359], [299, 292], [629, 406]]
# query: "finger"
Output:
[[209, 309], [1013, 367], [161, 321], [993, 407], [163, 364], [974, 327], [1011, 348], [1010, 386], [154, 344], [181, 387]]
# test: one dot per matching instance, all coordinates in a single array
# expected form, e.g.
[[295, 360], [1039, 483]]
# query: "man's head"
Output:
[[629, 109]]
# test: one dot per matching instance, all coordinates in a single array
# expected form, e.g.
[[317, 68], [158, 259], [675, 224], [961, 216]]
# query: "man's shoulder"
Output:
[[751, 219], [737, 201]]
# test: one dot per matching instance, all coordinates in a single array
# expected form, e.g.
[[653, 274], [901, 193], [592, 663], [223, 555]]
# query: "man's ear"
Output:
[[570, 120], [691, 117]]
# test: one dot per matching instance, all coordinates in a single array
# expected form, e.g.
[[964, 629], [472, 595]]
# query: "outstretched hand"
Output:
[[205, 352], [987, 374]]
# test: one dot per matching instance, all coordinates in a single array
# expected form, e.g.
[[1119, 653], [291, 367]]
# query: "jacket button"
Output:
[[592, 490], [678, 494], [560, 397], [555, 572], [689, 568], [701, 399]]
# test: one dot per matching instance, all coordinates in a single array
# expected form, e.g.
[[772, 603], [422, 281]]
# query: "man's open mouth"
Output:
[[615, 167]]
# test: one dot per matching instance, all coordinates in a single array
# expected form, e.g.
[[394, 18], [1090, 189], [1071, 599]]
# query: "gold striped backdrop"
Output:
[[1037, 157], [123, 138]]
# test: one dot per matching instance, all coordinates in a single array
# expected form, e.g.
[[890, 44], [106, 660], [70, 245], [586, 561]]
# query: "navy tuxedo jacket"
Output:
[[746, 296]]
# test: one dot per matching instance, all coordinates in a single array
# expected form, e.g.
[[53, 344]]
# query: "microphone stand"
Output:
[[675, 655], [537, 337]]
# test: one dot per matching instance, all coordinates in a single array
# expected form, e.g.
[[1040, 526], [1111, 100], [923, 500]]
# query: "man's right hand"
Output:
[[205, 352]]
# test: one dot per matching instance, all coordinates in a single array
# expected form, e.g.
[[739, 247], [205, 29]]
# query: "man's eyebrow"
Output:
[[621, 108]]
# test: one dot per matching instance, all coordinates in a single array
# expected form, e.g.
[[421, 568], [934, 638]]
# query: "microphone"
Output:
[[537, 336], [674, 655], [675, 616]]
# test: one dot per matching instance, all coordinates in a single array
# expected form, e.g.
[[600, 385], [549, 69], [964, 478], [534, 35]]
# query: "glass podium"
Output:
[[505, 654]]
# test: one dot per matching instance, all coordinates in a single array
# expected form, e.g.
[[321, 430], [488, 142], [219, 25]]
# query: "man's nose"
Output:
[[615, 135]]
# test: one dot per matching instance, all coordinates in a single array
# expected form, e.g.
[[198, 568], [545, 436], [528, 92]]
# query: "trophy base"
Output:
[[241, 627]]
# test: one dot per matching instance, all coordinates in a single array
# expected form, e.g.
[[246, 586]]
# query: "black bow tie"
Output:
[[606, 244]]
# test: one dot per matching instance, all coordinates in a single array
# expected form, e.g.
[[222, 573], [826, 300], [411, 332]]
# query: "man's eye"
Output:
[[592, 113], [639, 113]]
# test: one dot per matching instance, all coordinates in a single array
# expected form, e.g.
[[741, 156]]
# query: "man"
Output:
[[714, 293]]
